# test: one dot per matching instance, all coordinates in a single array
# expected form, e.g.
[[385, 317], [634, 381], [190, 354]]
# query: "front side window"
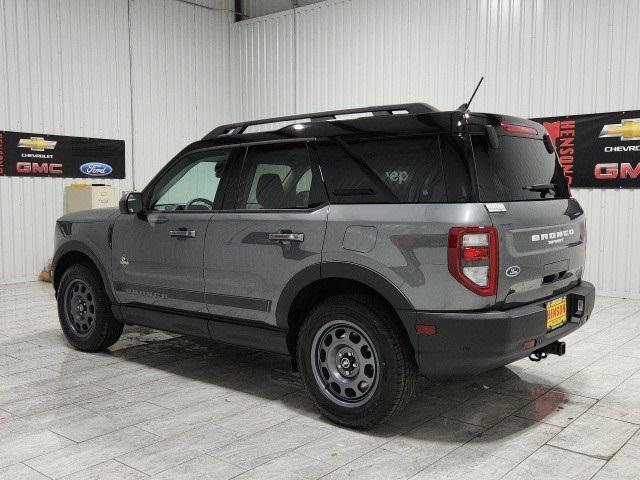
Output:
[[384, 170], [278, 177], [192, 183]]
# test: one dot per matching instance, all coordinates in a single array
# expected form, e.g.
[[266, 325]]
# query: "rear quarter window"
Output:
[[383, 170]]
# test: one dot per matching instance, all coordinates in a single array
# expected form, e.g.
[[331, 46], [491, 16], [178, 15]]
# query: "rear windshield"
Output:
[[519, 169]]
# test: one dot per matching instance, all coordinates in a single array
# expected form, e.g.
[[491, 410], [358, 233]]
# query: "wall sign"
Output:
[[41, 155], [600, 150]]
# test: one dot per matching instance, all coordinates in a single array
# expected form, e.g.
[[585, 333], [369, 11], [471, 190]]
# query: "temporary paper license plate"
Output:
[[556, 313]]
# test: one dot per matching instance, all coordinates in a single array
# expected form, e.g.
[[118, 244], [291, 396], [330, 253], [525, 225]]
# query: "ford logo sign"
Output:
[[513, 271], [96, 169]]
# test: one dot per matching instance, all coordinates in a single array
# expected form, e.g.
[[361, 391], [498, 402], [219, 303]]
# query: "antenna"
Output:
[[465, 106]]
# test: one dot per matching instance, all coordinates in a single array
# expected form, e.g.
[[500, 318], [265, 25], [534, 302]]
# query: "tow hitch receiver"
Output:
[[555, 348]]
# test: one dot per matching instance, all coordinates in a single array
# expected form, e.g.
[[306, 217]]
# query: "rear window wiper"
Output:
[[541, 187], [544, 188]]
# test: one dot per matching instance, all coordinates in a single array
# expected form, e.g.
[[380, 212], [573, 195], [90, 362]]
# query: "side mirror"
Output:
[[131, 203]]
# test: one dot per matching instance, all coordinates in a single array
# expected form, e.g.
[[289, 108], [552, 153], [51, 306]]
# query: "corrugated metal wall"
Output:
[[180, 79], [540, 58], [257, 8], [65, 69]]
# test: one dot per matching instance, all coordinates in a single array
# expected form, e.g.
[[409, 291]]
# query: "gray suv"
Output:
[[407, 240]]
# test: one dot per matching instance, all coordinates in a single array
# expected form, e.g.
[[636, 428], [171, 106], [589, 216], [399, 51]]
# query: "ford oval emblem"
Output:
[[96, 169], [513, 271]]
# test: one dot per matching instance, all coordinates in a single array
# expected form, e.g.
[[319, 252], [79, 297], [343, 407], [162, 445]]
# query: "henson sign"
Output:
[[40, 155], [601, 150]]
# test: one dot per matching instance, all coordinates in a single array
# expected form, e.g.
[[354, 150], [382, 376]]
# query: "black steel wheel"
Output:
[[356, 360], [345, 363], [84, 309], [80, 307]]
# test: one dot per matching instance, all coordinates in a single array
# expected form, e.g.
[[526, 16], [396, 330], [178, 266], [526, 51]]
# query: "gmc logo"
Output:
[[612, 171], [39, 168]]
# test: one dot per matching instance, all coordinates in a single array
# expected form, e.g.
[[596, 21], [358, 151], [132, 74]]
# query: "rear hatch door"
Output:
[[541, 228]]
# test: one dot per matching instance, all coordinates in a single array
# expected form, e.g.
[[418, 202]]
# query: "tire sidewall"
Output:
[[376, 407]]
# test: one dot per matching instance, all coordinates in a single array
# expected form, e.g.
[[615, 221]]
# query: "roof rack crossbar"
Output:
[[238, 128]]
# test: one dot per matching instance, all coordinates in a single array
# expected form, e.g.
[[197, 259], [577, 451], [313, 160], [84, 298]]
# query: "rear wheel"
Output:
[[356, 361], [85, 311]]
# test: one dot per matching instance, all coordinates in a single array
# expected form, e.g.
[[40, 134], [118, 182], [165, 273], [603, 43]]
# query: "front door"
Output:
[[272, 229], [157, 255]]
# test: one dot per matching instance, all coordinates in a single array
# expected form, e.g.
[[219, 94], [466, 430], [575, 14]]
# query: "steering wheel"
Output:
[[206, 201]]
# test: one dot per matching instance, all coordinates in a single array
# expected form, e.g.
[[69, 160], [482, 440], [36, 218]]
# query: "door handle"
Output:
[[183, 233], [286, 237]]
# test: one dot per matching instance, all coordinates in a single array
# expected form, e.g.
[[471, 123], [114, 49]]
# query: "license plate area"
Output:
[[556, 313]]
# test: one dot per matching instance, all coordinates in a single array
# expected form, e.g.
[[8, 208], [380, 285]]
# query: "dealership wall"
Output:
[[539, 57], [151, 72], [161, 73]]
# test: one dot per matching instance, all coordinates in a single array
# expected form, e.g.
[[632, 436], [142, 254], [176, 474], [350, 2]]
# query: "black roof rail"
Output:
[[238, 128]]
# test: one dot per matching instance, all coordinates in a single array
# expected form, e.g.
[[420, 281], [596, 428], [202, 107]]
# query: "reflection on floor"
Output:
[[170, 407]]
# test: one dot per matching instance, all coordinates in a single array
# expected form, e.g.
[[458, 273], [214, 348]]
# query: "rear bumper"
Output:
[[467, 343]]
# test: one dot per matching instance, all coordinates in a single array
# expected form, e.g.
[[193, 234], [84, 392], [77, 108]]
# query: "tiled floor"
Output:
[[169, 407]]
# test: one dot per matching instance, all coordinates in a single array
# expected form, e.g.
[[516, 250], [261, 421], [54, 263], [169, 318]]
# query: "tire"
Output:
[[84, 310], [378, 352]]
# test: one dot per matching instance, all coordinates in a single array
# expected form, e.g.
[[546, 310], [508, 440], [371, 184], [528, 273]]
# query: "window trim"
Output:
[[147, 191], [152, 186], [230, 205]]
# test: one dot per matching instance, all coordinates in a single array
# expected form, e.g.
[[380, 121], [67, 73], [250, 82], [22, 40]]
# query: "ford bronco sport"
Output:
[[407, 240]]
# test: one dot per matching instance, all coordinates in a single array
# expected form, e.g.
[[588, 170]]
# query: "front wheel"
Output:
[[85, 311], [355, 360]]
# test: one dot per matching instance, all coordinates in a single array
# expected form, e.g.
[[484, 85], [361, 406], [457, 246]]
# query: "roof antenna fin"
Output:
[[465, 106]]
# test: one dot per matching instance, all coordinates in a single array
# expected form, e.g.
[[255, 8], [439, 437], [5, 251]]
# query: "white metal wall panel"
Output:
[[263, 52], [539, 57], [180, 78], [257, 8], [64, 69]]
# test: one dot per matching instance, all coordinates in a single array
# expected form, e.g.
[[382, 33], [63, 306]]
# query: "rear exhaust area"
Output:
[[555, 348]]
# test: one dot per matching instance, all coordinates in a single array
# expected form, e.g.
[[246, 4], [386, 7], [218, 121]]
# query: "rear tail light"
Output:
[[473, 258]]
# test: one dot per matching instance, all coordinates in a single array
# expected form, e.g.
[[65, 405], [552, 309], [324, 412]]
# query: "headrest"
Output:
[[270, 192]]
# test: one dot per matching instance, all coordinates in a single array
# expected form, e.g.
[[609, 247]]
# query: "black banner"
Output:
[[600, 150], [40, 155]]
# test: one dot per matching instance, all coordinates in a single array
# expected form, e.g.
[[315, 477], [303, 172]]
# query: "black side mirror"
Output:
[[131, 203], [492, 137]]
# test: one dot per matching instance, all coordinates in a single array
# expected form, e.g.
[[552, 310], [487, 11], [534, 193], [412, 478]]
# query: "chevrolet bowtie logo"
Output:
[[37, 144], [629, 129]]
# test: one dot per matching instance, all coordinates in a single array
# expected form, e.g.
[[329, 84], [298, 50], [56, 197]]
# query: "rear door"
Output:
[[541, 228], [272, 227]]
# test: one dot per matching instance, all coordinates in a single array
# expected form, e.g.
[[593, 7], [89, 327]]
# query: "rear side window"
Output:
[[519, 169], [383, 170], [278, 177]]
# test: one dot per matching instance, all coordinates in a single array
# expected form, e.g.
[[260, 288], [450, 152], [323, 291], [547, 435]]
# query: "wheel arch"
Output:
[[320, 281], [74, 252]]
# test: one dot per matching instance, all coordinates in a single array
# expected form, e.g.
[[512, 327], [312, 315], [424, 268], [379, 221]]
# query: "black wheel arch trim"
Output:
[[342, 270], [75, 246]]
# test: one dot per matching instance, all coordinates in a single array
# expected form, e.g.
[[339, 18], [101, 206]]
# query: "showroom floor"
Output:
[[169, 407]]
